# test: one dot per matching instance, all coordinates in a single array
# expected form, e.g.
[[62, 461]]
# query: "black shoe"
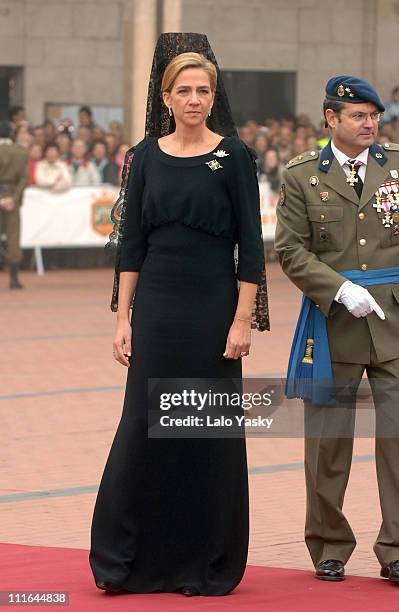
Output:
[[189, 591], [391, 571], [110, 587], [14, 282], [330, 570]]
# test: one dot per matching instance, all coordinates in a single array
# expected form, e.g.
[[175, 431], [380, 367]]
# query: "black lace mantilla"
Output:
[[159, 123]]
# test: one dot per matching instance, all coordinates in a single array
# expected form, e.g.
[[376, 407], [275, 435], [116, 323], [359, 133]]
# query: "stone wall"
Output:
[[72, 51], [314, 38], [82, 51]]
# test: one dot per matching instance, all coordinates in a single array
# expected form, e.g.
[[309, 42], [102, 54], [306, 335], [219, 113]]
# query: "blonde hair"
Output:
[[187, 60]]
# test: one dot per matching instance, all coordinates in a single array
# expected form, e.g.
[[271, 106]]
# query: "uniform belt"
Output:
[[309, 373]]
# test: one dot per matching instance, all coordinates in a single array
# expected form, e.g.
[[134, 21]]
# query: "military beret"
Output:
[[352, 89]]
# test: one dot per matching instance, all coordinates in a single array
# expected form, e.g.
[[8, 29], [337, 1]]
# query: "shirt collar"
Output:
[[342, 158], [6, 141]]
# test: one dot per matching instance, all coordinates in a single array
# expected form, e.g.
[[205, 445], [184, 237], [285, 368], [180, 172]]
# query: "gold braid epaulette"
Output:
[[303, 157]]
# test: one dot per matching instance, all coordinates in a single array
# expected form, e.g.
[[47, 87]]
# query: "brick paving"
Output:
[[60, 401]]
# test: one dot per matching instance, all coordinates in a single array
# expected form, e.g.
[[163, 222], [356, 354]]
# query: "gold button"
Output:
[[362, 241], [322, 217], [364, 266], [361, 216]]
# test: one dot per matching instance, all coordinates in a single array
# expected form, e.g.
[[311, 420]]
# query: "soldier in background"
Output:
[[13, 180]]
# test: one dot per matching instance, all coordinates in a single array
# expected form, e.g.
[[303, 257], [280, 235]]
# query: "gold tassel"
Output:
[[308, 358]]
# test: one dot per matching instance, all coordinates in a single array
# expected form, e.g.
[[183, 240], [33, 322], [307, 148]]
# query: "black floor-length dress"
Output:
[[172, 513]]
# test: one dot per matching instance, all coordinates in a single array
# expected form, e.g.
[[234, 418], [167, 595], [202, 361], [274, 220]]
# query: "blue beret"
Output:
[[352, 89]]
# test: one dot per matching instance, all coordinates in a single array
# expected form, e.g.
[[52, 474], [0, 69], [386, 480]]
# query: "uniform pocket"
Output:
[[327, 227]]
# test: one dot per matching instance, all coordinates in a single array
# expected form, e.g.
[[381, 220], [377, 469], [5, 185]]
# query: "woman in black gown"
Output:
[[172, 514]]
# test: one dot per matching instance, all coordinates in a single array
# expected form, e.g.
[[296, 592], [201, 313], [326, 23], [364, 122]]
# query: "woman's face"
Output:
[[271, 159], [52, 155], [35, 152], [191, 97]]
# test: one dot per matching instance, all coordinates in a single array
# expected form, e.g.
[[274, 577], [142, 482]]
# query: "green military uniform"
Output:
[[323, 228], [13, 180]]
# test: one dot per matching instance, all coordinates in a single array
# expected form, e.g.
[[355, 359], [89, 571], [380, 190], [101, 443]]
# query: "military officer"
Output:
[[13, 180], [337, 239]]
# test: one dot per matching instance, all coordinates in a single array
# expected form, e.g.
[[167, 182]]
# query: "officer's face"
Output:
[[356, 126]]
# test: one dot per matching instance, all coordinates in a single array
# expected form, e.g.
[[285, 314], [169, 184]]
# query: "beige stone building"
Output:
[[275, 54]]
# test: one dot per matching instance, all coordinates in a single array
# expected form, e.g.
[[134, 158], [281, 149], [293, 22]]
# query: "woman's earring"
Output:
[[170, 111], [210, 110]]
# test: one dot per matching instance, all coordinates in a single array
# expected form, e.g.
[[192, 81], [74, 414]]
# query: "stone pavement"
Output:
[[60, 402]]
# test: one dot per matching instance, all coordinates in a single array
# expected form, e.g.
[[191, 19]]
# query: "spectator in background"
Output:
[[272, 169], [112, 145], [119, 160], [311, 143], [116, 129], [23, 135], [64, 142], [298, 146], [260, 146], [86, 118], [99, 156], [84, 133], [49, 131], [17, 117], [391, 112], [35, 154], [97, 133], [285, 138], [39, 136], [51, 172], [245, 134], [83, 172]]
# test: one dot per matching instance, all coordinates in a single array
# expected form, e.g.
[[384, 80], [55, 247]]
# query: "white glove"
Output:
[[358, 300]]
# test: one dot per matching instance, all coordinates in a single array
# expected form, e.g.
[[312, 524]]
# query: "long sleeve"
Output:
[[94, 175], [22, 179], [45, 176], [64, 181], [292, 243], [245, 194], [133, 242]]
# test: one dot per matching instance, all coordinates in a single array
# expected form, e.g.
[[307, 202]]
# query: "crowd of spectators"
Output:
[[62, 155]]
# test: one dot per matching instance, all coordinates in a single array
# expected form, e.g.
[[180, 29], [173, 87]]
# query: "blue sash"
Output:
[[314, 382]]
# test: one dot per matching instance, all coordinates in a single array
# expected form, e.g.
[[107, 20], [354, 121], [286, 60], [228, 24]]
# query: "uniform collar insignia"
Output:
[[378, 154], [326, 158]]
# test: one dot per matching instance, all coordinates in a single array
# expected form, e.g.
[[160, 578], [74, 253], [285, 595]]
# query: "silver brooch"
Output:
[[214, 164], [221, 153]]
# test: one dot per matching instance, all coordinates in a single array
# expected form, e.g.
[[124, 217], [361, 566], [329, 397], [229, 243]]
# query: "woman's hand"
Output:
[[123, 342], [238, 340]]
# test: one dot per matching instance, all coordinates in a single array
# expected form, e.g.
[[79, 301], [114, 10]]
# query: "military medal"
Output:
[[314, 181], [352, 178], [324, 196], [387, 220], [387, 203], [394, 174]]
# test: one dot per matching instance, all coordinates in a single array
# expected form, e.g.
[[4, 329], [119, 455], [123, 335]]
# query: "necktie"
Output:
[[354, 179]]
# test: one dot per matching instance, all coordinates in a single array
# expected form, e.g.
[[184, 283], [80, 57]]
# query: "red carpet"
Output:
[[263, 589]]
